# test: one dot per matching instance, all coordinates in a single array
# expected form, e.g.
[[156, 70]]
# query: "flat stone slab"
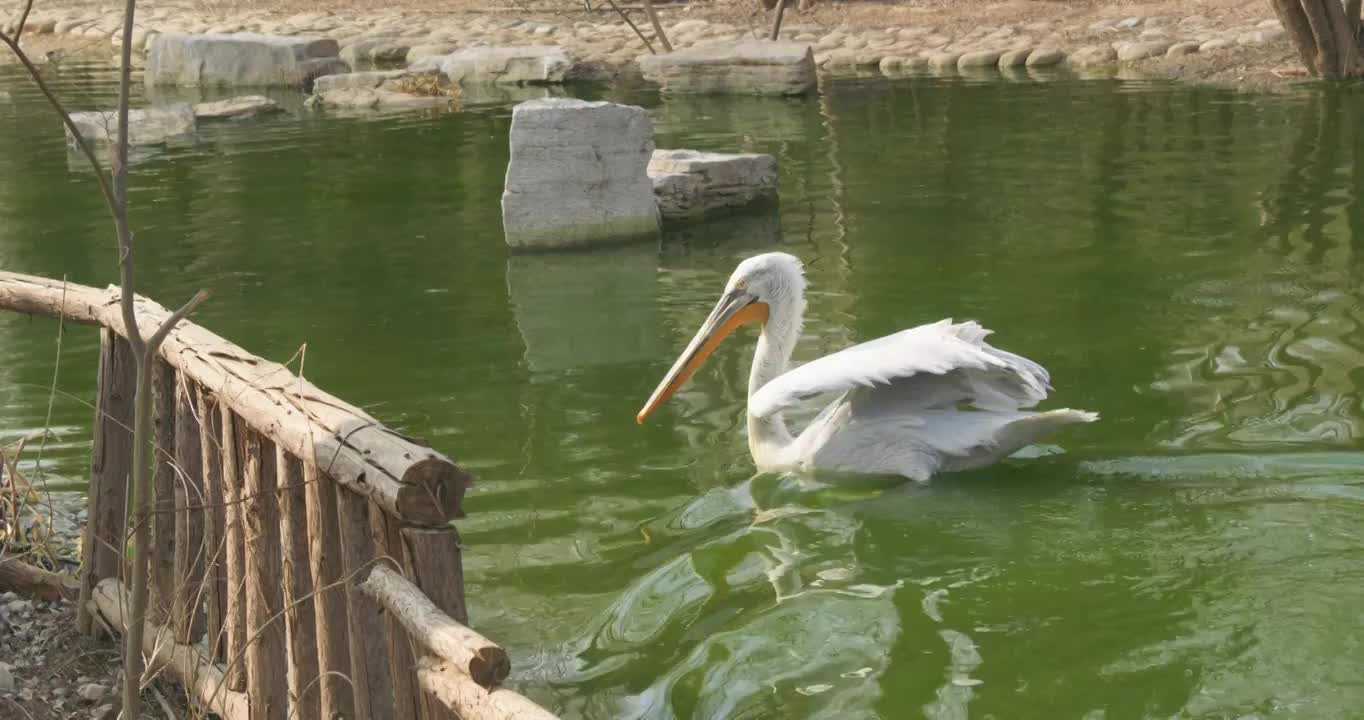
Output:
[[146, 126], [578, 175], [239, 59], [690, 184], [747, 67], [530, 64], [385, 89], [237, 107]]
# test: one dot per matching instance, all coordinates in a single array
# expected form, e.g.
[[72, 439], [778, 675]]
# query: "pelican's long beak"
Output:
[[734, 309]]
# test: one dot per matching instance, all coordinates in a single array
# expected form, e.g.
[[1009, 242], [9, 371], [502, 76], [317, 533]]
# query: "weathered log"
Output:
[[162, 571], [215, 540], [409, 480], [467, 699], [200, 676], [433, 560], [187, 604], [401, 662], [300, 625], [111, 462], [234, 619], [266, 657], [25, 579], [368, 649], [324, 556], [478, 657]]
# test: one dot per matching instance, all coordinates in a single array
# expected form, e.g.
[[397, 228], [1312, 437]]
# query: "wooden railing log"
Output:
[[202, 678], [409, 480], [266, 658], [478, 657], [190, 551], [215, 540], [324, 556], [111, 462], [467, 699], [234, 619], [401, 662], [21, 577], [433, 560], [163, 583], [300, 623], [368, 648]]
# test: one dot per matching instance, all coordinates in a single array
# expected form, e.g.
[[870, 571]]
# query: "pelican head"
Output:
[[760, 287]]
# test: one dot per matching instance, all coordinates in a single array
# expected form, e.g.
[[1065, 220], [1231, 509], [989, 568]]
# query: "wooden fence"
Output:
[[304, 564]]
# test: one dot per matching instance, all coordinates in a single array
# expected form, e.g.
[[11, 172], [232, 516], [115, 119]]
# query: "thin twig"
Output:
[[52, 393]]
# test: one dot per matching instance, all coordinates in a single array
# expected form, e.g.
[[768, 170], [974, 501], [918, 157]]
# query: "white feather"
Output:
[[949, 362]]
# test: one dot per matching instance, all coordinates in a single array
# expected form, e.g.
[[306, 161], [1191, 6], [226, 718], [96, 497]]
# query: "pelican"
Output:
[[899, 405]]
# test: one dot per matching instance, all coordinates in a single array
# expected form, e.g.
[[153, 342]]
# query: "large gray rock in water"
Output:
[[531, 64], [240, 59], [750, 67], [578, 175], [691, 185], [146, 126]]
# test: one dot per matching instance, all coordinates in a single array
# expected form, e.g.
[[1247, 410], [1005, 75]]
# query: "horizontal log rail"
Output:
[[206, 681], [476, 656], [410, 481], [278, 506], [467, 699]]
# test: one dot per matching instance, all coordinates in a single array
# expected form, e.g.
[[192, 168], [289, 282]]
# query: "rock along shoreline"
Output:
[[1104, 43]]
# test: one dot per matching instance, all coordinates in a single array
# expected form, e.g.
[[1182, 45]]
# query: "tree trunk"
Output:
[[1325, 34]]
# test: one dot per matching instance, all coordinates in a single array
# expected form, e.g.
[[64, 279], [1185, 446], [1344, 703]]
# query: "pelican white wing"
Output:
[[936, 365]]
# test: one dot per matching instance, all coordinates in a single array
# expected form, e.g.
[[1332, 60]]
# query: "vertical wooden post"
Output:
[[368, 649], [300, 622], [402, 665], [432, 561], [215, 543], [234, 617], [111, 462], [162, 556], [188, 601], [266, 658], [324, 555]]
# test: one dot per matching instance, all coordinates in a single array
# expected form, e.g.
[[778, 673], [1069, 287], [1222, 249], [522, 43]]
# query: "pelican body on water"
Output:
[[899, 408]]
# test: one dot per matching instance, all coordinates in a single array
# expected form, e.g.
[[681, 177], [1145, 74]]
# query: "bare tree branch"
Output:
[[120, 173], [776, 19], [634, 27], [23, 19], [154, 343], [658, 27]]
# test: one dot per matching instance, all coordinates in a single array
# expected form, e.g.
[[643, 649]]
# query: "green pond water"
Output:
[[1186, 261]]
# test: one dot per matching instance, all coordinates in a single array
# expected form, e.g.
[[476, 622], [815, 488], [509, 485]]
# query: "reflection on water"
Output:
[[1275, 357], [1181, 259], [576, 309]]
